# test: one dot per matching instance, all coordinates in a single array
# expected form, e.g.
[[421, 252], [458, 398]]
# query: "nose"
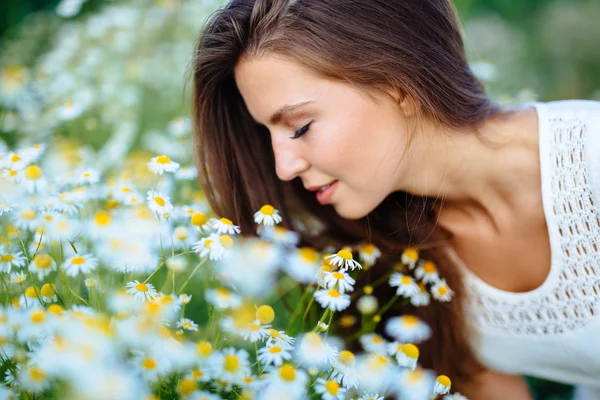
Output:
[[289, 160]]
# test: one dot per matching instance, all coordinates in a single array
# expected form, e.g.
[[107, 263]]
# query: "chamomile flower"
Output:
[[274, 355], [187, 324], [214, 246], [332, 299], [18, 277], [406, 285], [441, 291], [80, 264], [48, 293], [303, 264], [373, 343], [344, 369], [33, 379], [368, 253], [339, 280], [371, 396], [86, 176], [288, 377], [279, 338], [427, 272], [223, 299], [27, 218], [313, 351], [231, 365], [159, 202], [279, 235], [267, 215], [408, 328], [410, 256], [422, 297], [186, 173], [415, 383], [33, 179], [406, 354], [42, 265], [142, 291], [344, 260], [6, 207], [8, 260], [329, 389], [225, 226], [133, 199], [442, 385], [161, 164]]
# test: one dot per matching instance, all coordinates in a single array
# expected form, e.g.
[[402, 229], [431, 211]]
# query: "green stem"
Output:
[[191, 275]]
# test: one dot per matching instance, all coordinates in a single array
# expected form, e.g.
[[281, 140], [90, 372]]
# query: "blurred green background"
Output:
[[523, 49]]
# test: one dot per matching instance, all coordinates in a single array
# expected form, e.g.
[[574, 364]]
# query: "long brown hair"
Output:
[[413, 47]]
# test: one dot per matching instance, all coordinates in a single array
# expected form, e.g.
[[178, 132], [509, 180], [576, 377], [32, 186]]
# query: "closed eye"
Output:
[[301, 131]]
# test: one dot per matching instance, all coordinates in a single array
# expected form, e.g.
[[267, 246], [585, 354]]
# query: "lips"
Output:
[[318, 187]]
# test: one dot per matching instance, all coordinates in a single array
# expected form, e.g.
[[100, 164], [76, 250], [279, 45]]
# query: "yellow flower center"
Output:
[[410, 319], [333, 293], [442, 290], [43, 261], [368, 289], [338, 275], [37, 374], [55, 309], [204, 348], [287, 373], [197, 374], [78, 260], [199, 219], [308, 254], [406, 280], [429, 267], [102, 218], [7, 258], [332, 387], [48, 290], [187, 387], [411, 253], [273, 333], [33, 173], [207, 243], [141, 287], [31, 292], [443, 380], [226, 241], [149, 363], [159, 200], [345, 254], [368, 248], [377, 339], [163, 159], [265, 314], [226, 221], [410, 350], [28, 214], [15, 158], [37, 317], [267, 209], [232, 363], [346, 357], [275, 350]]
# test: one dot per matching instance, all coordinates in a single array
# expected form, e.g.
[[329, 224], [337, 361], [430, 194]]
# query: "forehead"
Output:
[[270, 82]]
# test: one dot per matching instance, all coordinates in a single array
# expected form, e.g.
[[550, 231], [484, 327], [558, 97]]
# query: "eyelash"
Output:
[[296, 135]]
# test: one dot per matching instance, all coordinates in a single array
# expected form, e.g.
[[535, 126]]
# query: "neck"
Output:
[[486, 184]]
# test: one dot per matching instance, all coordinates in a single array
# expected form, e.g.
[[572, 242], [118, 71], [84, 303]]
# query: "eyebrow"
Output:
[[286, 110]]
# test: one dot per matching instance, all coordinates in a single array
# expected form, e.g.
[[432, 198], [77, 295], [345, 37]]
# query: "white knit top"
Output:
[[553, 331]]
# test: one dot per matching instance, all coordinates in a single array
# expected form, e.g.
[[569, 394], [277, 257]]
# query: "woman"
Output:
[[372, 105]]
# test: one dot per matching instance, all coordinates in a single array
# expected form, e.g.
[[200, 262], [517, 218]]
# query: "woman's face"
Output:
[[350, 137]]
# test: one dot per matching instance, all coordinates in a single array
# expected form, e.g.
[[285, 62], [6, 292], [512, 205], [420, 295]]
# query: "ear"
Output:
[[406, 102]]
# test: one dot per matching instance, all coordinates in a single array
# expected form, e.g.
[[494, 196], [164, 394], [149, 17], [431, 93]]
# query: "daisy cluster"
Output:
[[123, 287]]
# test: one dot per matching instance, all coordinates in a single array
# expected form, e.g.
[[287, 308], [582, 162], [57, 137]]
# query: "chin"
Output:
[[351, 211]]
